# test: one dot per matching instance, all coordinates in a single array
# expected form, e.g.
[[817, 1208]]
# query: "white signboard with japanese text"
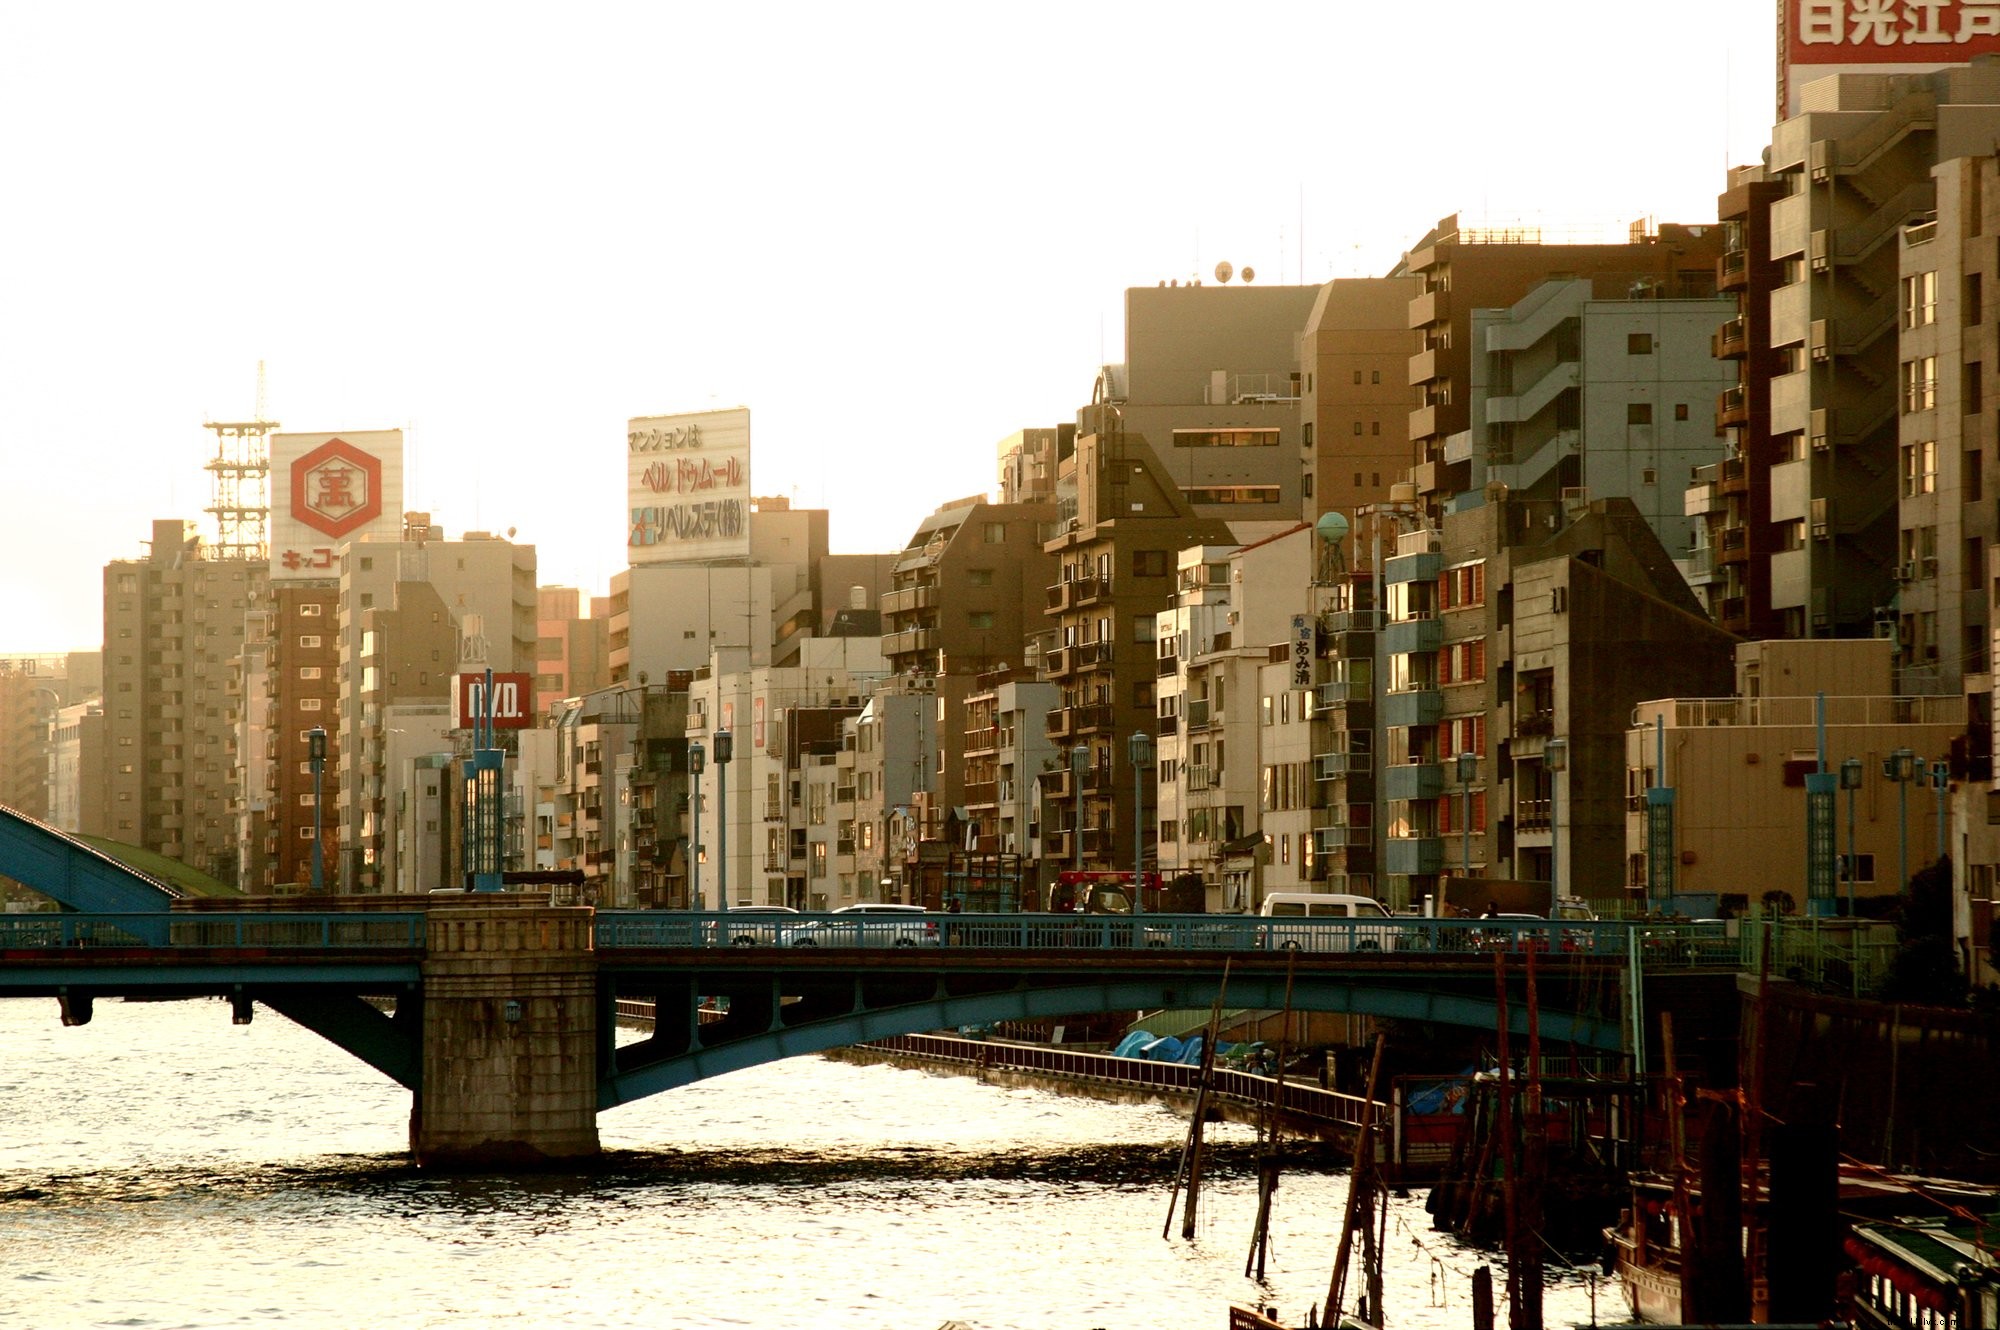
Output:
[[328, 489], [687, 484]]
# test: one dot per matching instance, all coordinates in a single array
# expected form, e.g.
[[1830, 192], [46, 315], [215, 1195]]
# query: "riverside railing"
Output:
[[389, 931]]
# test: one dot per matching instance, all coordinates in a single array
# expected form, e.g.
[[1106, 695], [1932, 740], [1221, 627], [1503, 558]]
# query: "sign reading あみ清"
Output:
[[328, 489], [687, 484]]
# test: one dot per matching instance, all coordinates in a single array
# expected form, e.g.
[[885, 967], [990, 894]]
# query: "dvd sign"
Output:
[[513, 701]]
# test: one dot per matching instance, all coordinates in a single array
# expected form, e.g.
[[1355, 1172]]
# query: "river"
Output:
[[163, 1168]]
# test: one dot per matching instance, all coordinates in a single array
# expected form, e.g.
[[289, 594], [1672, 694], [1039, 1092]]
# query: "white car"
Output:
[[756, 929], [867, 925]]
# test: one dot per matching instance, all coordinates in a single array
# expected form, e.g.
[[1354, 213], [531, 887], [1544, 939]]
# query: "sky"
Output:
[[896, 232]]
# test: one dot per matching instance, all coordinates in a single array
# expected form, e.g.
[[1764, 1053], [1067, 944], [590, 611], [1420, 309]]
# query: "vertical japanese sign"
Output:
[[1304, 644], [687, 486], [327, 489], [1822, 37]]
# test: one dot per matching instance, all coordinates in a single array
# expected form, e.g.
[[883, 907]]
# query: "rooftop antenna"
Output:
[[240, 482]]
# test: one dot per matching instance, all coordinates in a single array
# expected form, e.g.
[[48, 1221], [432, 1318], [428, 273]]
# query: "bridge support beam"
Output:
[[510, 1039]]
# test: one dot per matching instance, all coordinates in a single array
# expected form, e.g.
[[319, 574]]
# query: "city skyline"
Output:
[[904, 253]]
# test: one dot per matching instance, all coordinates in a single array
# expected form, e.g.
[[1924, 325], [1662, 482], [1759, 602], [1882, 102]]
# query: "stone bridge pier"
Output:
[[509, 1038]]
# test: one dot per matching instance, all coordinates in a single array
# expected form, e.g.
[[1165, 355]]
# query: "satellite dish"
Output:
[[1223, 271], [1249, 273]]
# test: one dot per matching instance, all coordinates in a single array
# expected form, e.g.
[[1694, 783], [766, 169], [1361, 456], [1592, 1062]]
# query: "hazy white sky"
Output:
[[897, 232]]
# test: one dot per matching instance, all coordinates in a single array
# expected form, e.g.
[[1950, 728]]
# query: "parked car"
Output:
[[867, 925], [757, 929]]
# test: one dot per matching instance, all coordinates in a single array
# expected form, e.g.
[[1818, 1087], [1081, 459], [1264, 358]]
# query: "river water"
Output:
[[162, 1168]]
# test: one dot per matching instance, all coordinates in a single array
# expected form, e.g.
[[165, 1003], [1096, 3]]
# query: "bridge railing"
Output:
[[398, 931], [1660, 945]]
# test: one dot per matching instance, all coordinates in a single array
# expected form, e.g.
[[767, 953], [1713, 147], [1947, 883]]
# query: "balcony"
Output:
[[1732, 271], [1735, 545], [1732, 407], [1733, 615], [1089, 590], [1417, 706], [1731, 341], [1198, 714], [985, 739], [1541, 722], [1412, 636], [908, 600], [1339, 693], [1335, 766], [1059, 724], [1059, 663], [909, 640], [1732, 476], [1531, 815], [1168, 725], [1415, 856], [1099, 716], [1166, 665], [1094, 656], [1413, 780], [1056, 784], [1428, 308], [1330, 840], [983, 792], [1201, 776]]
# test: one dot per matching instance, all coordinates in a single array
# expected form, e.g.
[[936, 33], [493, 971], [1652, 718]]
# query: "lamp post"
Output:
[[697, 759], [1468, 767], [1850, 780], [316, 750], [725, 748], [1079, 762], [1940, 781], [1140, 746], [1900, 766], [1555, 756]]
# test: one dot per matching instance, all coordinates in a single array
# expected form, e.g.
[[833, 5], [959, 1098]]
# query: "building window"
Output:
[[1306, 434], [309, 641], [1151, 563], [979, 619], [309, 671], [368, 564], [1638, 413], [1919, 467], [996, 533], [1919, 299], [1919, 384], [1226, 438], [309, 610], [979, 577], [1680, 410], [1638, 344], [309, 704]]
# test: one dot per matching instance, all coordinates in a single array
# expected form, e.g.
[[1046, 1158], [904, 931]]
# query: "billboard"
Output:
[[327, 489], [687, 487], [1822, 37], [513, 700]]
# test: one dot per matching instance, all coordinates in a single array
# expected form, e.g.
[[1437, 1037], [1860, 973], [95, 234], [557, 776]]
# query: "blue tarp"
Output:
[[1129, 1046]]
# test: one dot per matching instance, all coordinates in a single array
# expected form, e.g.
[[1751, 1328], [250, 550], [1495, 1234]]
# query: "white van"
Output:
[[1314, 936]]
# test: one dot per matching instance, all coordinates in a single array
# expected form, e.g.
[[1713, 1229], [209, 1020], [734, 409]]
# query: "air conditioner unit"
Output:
[[1575, 496], [1907, 571]]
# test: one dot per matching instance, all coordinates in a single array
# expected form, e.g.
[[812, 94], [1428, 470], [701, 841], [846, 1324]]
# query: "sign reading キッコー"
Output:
[[687, 485], [328, 489], [1823, 37]]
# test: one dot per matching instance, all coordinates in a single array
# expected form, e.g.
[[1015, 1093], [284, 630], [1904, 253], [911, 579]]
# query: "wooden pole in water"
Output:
[[1482, 1298], [1534, 1165], [1268, 1157], [1359, 1180], [1190, 1165], [1506, 1143]]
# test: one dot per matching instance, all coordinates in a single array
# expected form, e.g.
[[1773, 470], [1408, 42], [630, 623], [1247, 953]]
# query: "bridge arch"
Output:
[[758, 1030]]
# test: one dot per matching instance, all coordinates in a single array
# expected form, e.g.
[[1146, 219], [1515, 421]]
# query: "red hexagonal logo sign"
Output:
[[337, 488]]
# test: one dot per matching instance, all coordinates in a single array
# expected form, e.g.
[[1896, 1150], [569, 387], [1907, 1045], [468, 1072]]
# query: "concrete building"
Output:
[[33, 689], [1521, 623], [1121, 524], [444, 605], [1606, 392], [1354, 411], [1737, 765], [1467, 268], [1805, 513], [1211, 383], [76, 767], [732, 693], [1030, 460], [173, 620], [1005, 748], [293, 657], [572, 650]]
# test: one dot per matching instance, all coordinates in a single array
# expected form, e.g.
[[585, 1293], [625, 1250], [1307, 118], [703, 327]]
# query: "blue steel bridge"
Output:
[[362, 971]]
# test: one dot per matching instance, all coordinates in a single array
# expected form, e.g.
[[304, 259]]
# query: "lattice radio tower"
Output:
[[241, 485]]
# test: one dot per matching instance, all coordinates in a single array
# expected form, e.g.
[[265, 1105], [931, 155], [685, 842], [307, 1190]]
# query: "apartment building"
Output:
[[1609, 394], [1516, 642], [572, 649], [173, 619], [291, 667], [1354, 407], [1806, 512], [1005, 749], [1121, 525], [1464, 269]]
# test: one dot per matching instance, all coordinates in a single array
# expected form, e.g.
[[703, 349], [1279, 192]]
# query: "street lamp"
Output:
[[316, 750], [1140, 745], [1555, 756], [1850, 780], [1468, 767], [697, 759], [1901, 766], [725, 748], [1079, 762], [1940, 781]]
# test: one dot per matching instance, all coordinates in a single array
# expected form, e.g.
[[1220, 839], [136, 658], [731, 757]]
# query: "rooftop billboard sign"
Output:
[[1822, 37], [687, 485], [328, 489]]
